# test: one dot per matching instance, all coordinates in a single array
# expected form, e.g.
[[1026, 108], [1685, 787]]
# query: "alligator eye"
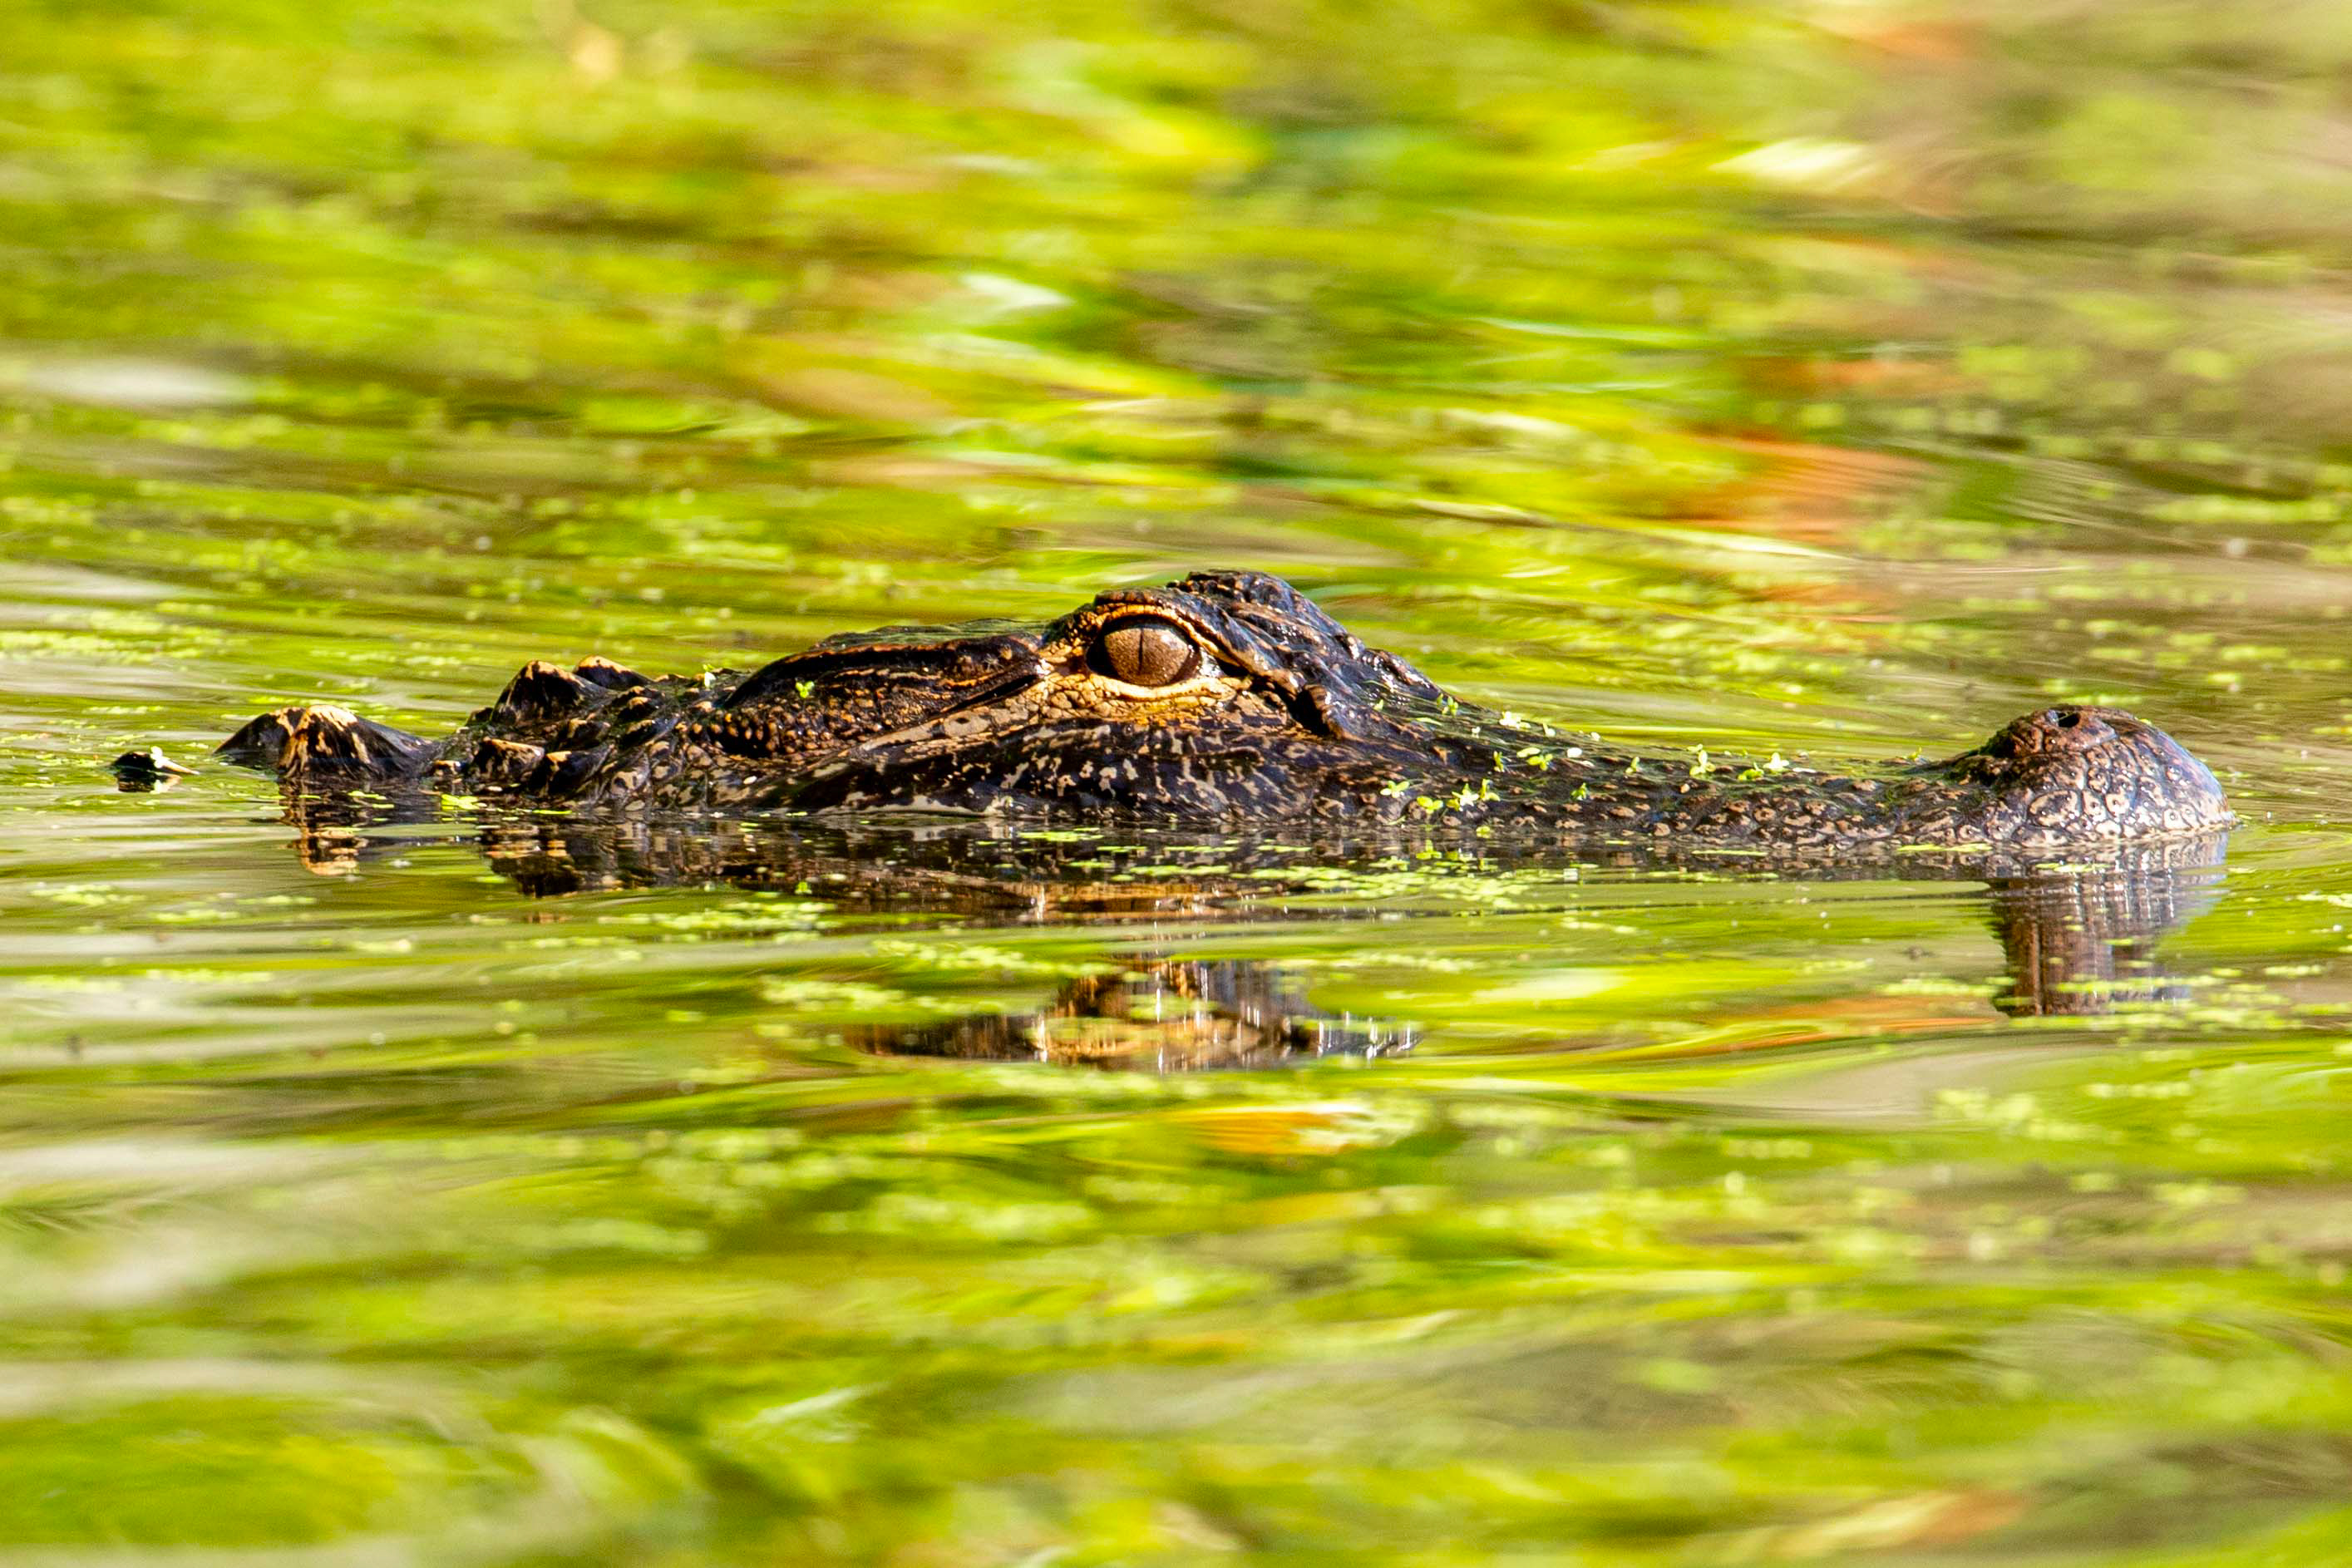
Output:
[[1147, 652]]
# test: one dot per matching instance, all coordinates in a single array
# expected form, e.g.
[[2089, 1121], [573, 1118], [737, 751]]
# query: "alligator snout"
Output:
[[2072, 728], [2067, 773]]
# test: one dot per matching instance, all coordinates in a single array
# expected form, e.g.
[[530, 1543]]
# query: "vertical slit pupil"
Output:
[[1148, 653]]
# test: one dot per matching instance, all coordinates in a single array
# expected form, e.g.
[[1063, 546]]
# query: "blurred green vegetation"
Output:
[[1843, 375]]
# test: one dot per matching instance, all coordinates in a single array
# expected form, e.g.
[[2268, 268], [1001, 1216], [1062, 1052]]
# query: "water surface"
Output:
[[1833, 380]]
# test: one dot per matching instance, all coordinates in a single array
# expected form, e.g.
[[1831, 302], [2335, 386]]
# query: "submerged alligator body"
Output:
[[1226, 698]]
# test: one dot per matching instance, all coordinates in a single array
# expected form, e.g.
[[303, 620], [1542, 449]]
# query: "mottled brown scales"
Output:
[[1228, 696]]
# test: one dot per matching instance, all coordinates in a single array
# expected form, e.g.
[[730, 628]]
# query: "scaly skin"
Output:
[[1225, 699]]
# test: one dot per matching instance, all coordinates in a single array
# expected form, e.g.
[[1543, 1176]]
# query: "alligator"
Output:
[[1228, 698], [1155, 1012]]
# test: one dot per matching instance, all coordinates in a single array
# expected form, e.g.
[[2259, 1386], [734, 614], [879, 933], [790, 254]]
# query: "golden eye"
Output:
[[1147, 652]]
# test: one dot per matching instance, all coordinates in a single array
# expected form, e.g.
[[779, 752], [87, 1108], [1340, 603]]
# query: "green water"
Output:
[[1836, 378]]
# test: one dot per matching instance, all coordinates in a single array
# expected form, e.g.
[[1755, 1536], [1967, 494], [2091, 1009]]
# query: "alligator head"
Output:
[[1225, 695]]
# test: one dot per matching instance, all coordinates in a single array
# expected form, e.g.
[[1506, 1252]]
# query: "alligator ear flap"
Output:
[[1337, 714], [328, 743], [1323, 712]]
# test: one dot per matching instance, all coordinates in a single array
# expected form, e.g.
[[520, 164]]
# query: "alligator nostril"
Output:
[[2069, 721]]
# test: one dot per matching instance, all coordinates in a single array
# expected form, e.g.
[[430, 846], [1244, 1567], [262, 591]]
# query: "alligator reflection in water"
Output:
[[2081, 941], [2079, 937], [1165, 1014]]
